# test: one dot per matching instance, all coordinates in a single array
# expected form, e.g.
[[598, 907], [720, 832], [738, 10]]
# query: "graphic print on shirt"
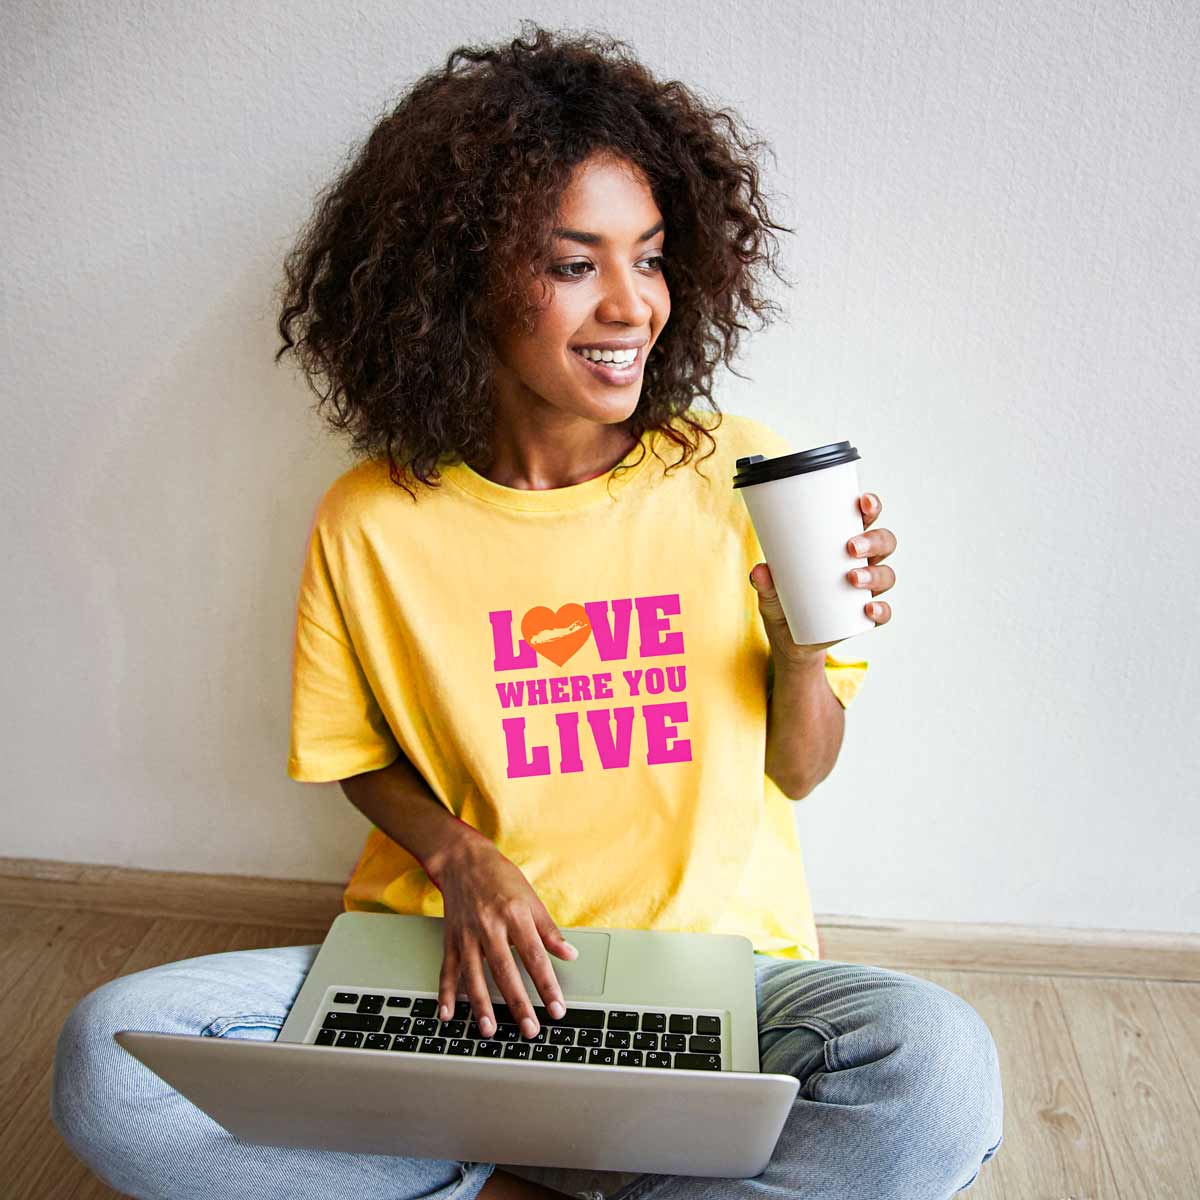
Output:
[[551, 737]]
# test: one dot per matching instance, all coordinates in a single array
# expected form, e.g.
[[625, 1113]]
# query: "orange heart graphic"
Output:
[[556, 635]]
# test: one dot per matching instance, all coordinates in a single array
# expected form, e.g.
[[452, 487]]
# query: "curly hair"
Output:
[[447, 209]]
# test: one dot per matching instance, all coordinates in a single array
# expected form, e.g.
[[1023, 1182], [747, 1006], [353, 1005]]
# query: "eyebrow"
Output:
[[596, 239]]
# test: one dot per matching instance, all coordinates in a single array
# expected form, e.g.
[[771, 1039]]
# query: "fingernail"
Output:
[[860, 545], [486, 1027], [529, 1027], [557, 1010], [444, 1012], [574, 949]]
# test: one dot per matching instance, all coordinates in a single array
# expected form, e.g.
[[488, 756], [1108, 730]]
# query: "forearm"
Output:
[[805, 724], [397, 799]]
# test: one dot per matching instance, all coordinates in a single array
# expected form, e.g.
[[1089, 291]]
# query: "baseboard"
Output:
[[901, 945]]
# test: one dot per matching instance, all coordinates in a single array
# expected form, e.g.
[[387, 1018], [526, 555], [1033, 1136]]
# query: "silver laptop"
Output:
[[654, 1067]]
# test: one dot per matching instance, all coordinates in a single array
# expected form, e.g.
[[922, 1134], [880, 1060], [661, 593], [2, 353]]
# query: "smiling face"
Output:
[[609, 287]]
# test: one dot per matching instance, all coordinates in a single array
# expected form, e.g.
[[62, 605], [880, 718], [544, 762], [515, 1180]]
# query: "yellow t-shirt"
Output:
[[582, 678]]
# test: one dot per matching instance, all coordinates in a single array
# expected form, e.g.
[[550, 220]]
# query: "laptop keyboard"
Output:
[[407, 1022]]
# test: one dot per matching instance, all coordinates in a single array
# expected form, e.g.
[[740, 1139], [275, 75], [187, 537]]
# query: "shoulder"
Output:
[[737, 436], [360, 494]]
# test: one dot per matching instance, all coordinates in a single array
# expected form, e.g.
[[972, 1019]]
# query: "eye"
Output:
[[564, 270]]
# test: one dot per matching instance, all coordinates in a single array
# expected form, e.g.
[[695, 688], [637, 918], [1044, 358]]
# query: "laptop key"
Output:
[[621, 1019], [629, 1058], [348, 1037], [708, 1025], [397, 1024], [426, 1007], [452, 1029], [489, 1049], [656, 1059], [654, 1022], [698, 1062], [516, 1050], [573, 1018], [406, 1043], [545, 1053], [617, 1038], [602, 1055], [345, 997], [674, 1041], [364, 1022], [698, 1042], [426, 1026], [399, 1001], [681, 1023], [573, 1054], [326, 1037], [462, 1010], [433, 1045], [377, 1041], [562, 1037], [506, 1033], [459, 1046], [645, 1041], [370, 1004], [588, 1037]]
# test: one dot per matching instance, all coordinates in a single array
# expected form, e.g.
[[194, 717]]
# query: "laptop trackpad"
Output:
[[581, 979]]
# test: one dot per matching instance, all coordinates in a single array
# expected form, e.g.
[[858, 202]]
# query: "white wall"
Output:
[[997, 264]]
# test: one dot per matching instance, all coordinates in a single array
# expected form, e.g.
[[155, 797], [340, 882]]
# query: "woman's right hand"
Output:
[[490, 905]]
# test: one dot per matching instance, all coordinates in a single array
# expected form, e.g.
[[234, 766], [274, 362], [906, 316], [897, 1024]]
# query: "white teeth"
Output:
[[617, 357]]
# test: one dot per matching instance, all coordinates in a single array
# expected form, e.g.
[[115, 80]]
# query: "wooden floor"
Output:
[[1099, 1034]]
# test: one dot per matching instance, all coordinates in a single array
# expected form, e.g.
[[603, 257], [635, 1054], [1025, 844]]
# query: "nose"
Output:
[[624, 300]]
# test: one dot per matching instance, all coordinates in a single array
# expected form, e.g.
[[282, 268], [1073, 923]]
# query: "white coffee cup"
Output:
[[804, 508]]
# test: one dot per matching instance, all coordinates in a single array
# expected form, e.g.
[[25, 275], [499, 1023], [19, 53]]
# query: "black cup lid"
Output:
[[756, 468]]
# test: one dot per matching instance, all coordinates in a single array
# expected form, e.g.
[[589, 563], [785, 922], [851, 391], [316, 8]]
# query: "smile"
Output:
[[612, 373]]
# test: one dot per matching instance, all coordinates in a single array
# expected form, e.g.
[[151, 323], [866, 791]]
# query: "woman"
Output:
[[526, 647]]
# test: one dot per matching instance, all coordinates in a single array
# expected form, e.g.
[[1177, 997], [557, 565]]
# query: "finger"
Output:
[[539, 966], [508, 980], [878, 579], [874, 546], [448, 982], [552, 936], [880, 611], [477, 991], [871, 507]]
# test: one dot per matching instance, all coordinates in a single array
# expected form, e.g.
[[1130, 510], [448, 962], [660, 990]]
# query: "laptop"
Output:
[[653, 1068]]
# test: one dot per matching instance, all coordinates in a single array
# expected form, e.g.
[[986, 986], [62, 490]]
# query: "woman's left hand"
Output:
[[873, 547]]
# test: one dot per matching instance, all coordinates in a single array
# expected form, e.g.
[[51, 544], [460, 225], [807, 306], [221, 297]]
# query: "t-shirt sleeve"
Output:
[[337, 726], [844, 677]]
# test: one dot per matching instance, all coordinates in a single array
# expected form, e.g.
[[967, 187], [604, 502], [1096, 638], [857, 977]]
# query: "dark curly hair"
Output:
[[447, 209]]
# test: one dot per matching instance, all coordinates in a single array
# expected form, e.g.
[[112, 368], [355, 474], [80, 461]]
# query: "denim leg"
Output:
[[900, 1091], [143, 1138]]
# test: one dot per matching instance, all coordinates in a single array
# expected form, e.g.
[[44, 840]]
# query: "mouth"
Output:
[[610, 373]]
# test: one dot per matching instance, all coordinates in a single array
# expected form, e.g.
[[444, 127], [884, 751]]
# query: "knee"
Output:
[[98, 1089], [952, 1069]]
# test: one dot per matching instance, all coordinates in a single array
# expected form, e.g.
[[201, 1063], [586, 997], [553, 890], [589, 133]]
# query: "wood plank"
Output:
[[27, 935], [1144, 1109], [1026, 950], [307, 904], [1052, 1141], [86, 950], [185, 896], [1178, 1007]]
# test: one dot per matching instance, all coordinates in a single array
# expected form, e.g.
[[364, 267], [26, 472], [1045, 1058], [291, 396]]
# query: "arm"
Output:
[[397, 799], [805, 724]]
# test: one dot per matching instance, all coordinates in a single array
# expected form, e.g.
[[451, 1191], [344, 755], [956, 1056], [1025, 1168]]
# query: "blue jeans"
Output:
[[900, 1093]]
